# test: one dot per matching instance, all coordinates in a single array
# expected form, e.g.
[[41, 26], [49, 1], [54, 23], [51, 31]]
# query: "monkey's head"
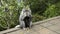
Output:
[[26, 12]]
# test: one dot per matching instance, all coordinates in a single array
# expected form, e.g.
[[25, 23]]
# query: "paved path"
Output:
[[48, 27]]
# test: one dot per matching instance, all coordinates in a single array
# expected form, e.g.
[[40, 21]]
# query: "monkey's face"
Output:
[[27, 13]]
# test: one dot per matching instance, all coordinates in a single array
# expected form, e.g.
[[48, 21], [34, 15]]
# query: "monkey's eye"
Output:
[[26, 10]]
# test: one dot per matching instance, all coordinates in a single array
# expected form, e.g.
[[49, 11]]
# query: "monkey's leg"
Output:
[[30, 24], [22, 24]]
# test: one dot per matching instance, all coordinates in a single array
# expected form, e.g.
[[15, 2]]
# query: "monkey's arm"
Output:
[[21, 17]]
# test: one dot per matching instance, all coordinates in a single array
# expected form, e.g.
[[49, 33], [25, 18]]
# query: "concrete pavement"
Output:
[[47, 27]]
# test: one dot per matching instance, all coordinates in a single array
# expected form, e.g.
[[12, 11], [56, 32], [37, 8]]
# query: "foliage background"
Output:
[[41, 9]]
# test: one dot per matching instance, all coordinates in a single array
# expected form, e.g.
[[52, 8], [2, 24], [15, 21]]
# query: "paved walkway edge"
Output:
[[36, 23]]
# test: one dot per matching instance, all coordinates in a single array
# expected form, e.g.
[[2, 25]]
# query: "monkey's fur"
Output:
[[25, 18]]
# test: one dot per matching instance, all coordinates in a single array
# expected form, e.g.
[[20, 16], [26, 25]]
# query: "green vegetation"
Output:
[[41, 9]]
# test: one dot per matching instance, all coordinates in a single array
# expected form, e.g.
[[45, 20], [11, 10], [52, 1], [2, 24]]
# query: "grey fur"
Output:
[[24, 13]]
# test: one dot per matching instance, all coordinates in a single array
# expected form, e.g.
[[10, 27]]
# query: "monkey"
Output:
[[25, 18]]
